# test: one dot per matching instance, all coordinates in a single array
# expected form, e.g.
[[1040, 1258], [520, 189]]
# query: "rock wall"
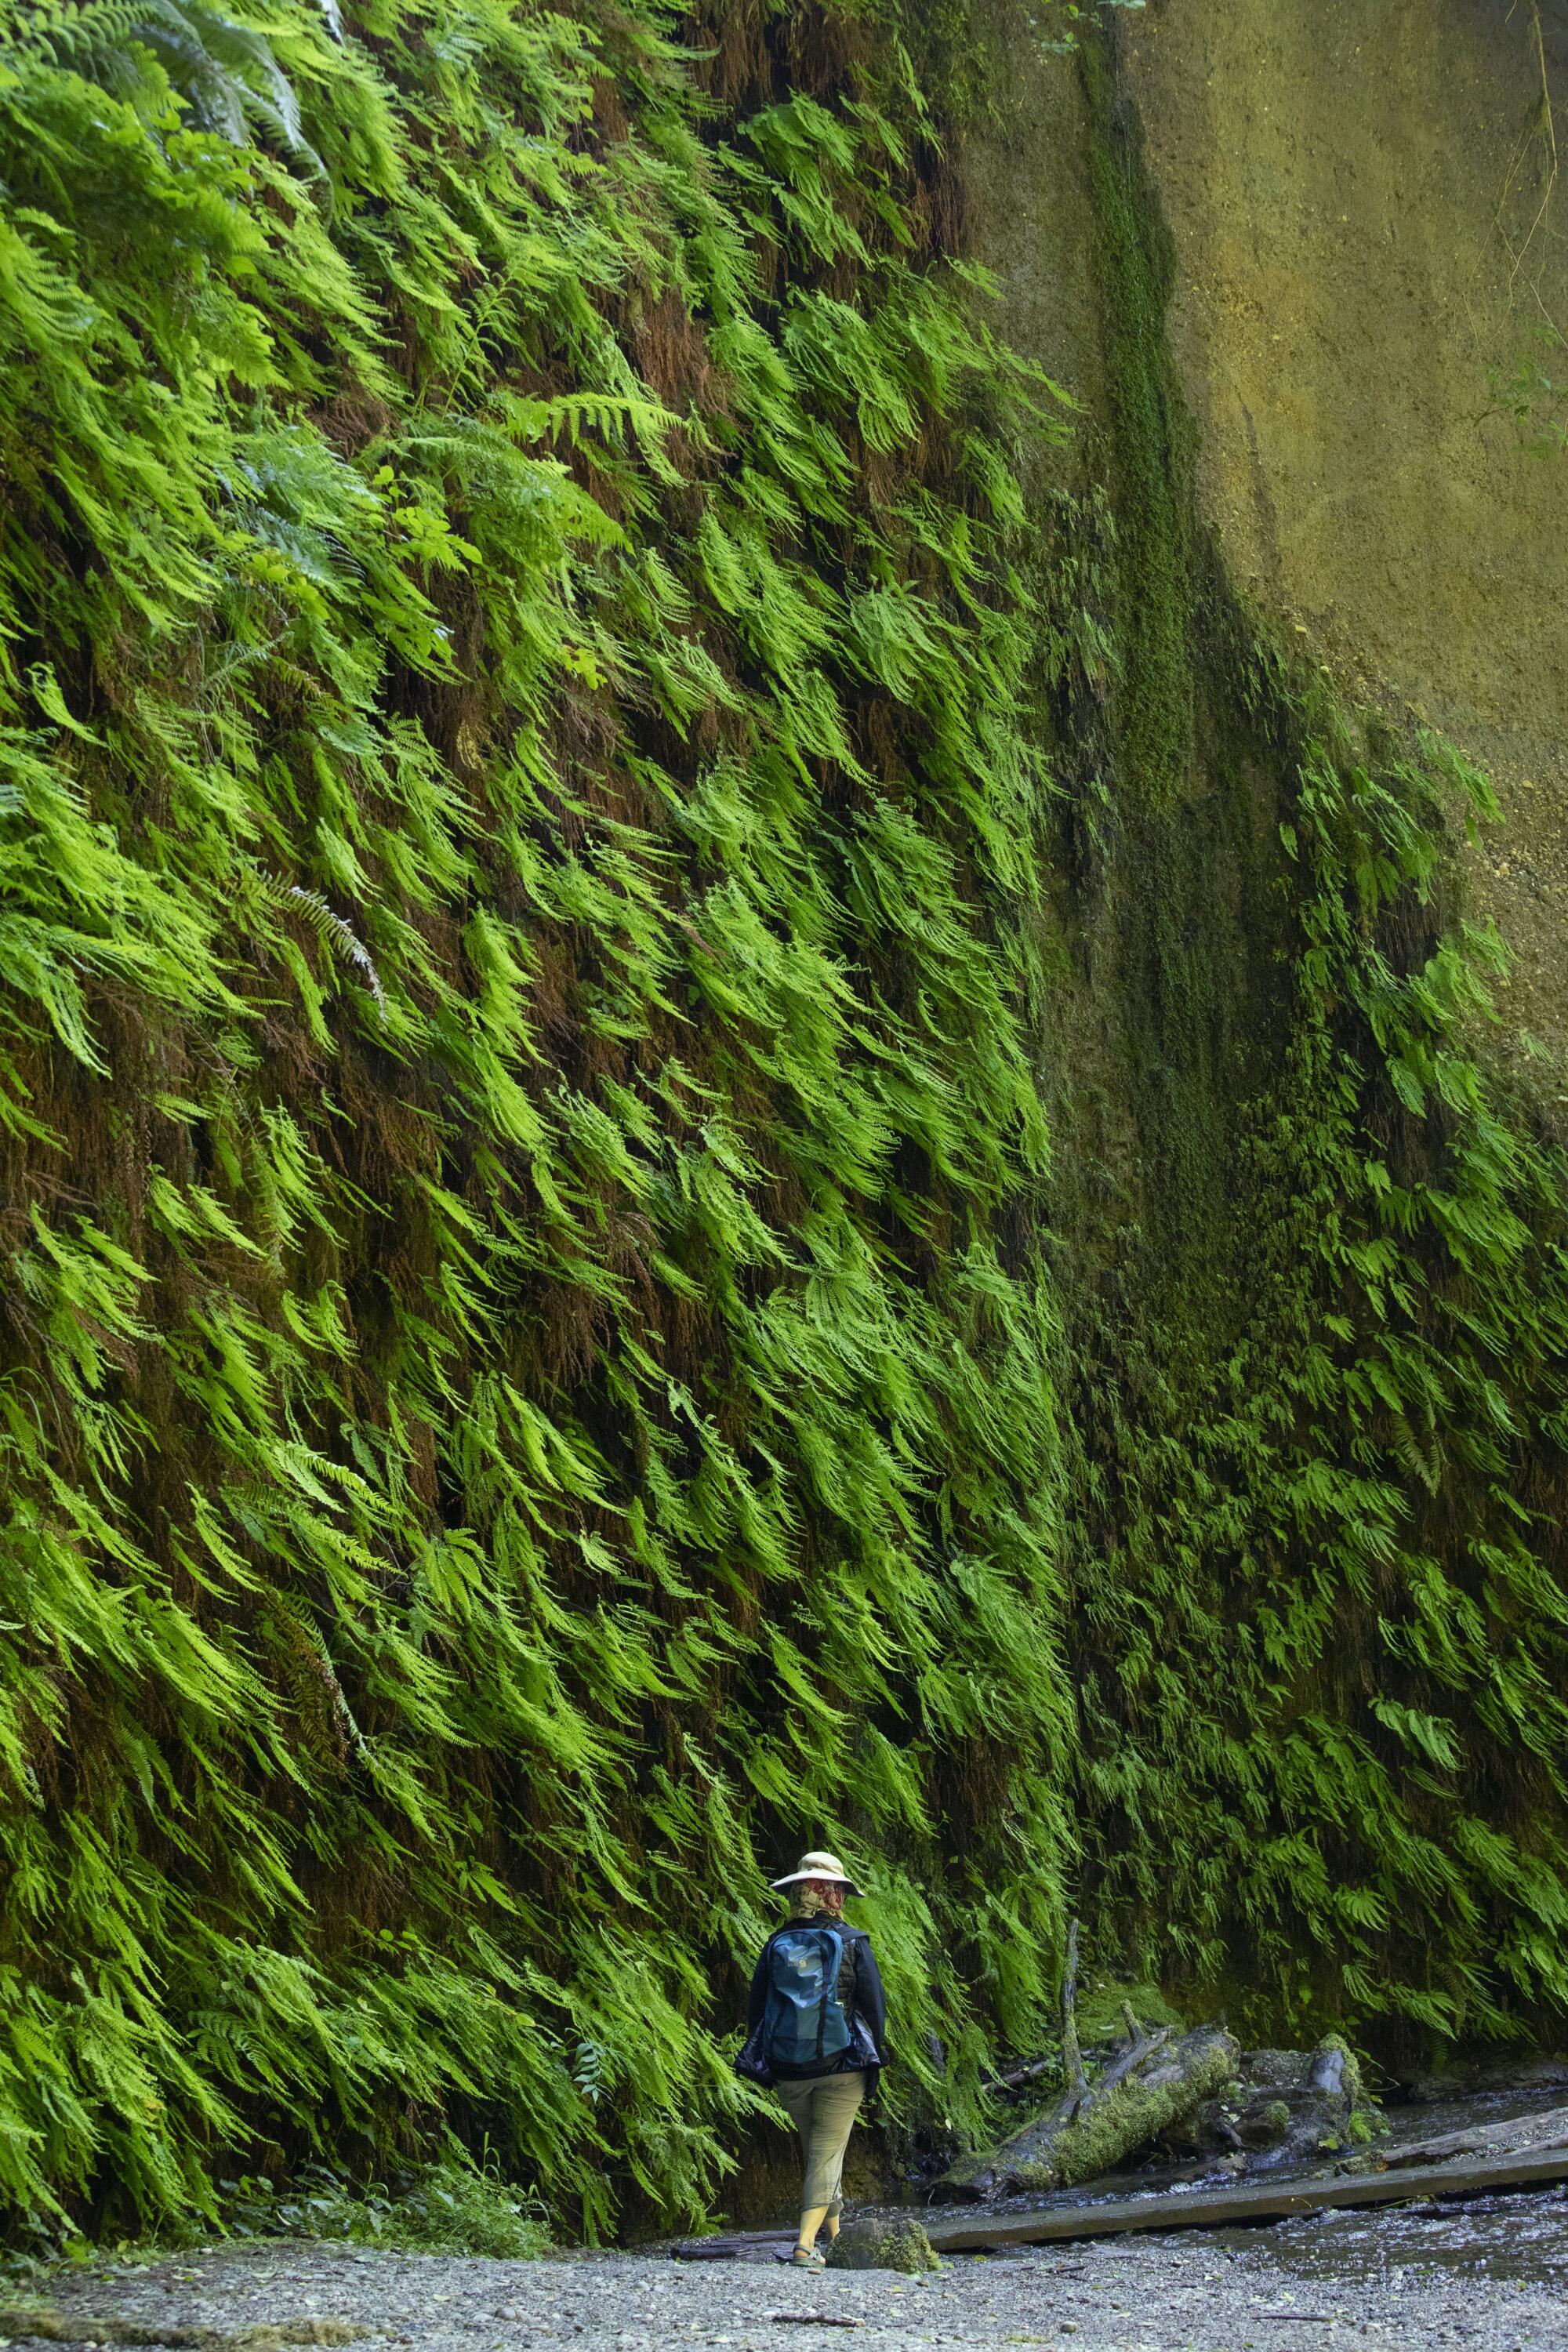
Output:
[[1286, 259], [1365, 246]]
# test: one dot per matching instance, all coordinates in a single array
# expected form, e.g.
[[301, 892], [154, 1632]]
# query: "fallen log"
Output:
[[1520, 2132], [1272, 2201], [973, 2232], [1090, 2128], [737, 2246]]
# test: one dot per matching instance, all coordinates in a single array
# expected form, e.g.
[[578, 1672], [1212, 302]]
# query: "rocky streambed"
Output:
[[1489, 2280], [1488, 2274]]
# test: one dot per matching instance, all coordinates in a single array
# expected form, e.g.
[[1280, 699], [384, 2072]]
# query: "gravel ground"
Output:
[[1271, 2293]]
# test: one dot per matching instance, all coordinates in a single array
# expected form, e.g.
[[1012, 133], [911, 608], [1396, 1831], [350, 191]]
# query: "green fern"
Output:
[[223, 66], [494, 1457]]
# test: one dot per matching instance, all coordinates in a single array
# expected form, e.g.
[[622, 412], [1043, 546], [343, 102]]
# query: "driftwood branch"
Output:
[[1016, 2076], [1138, 2053], [1140, 2048]]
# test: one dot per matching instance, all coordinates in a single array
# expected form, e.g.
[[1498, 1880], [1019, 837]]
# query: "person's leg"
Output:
[[796, 2100], [834, 2104], [847, 2095]]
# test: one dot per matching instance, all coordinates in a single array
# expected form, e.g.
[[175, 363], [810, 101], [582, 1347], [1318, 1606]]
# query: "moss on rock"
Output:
[[881, 2241]]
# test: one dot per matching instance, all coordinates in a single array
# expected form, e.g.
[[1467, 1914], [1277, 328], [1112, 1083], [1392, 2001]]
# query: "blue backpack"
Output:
[[803, 2024]]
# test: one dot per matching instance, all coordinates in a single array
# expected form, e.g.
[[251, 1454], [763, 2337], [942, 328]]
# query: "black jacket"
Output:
[[860, 1989]]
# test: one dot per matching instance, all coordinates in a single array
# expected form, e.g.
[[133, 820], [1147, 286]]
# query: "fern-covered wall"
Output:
[[726, 1122], [527, 1383]]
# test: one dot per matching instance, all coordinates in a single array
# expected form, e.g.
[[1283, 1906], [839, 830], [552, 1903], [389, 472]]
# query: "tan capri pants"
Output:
[[823, 2111]]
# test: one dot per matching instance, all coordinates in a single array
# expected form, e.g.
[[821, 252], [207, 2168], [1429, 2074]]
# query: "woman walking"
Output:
[[816, 2023]]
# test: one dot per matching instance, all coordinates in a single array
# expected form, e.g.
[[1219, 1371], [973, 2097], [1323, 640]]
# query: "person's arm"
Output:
[[758, 1999], [870, 1997]]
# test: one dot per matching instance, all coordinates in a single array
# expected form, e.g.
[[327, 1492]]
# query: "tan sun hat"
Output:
[[820, 1866]]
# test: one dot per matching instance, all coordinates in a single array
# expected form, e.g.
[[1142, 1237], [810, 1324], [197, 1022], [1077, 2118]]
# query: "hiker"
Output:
[[815, 2024]]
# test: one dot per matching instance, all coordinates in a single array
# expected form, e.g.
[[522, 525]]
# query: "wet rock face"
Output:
[[1294, 2127], [1233, 2124], [1327, 2070], [1265, 2124]]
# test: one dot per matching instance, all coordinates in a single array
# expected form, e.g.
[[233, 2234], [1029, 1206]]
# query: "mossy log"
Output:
[[1089, 2131]]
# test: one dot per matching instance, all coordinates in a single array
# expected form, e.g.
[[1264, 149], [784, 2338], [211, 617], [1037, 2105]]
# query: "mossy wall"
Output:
[[1309, 1487], [728, 1123]]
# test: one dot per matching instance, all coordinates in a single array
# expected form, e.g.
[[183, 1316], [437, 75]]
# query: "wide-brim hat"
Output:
[[820, 1866]]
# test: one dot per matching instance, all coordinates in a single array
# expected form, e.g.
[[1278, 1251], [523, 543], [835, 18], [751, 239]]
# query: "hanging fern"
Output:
[[223, 66], [328, 925], [493, 1459], [459, 1414]]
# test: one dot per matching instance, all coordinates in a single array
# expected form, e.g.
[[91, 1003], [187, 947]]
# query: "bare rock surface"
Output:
[[1274, 2293]]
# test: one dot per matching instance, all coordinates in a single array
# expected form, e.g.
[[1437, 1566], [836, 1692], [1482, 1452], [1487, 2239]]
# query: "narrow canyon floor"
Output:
[[1491, 2278]]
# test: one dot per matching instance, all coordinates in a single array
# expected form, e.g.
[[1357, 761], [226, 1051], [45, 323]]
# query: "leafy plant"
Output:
[[223, 66], [454, 2206]]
